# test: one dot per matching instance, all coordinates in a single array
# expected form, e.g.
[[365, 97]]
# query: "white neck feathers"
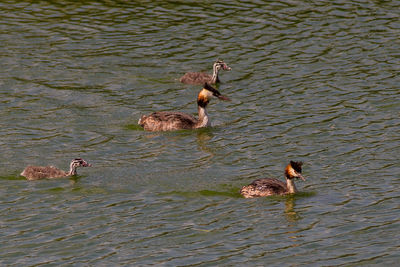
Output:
[[204, 120], [291, 186], [215, 73], [72, 169]]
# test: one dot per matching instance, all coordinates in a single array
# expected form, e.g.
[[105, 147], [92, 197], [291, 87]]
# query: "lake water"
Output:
[[316, 81]]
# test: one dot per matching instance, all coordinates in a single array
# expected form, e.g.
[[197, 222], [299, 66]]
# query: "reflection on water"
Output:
[[203, 137], [290, 211]]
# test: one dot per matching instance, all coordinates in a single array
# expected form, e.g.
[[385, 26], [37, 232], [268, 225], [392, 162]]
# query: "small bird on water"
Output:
[[270, 186], [49, 172], [201, 77], [172, 120]]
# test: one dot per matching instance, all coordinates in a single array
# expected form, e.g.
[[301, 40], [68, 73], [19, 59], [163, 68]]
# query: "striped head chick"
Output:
[[75, 163], [220, 64]]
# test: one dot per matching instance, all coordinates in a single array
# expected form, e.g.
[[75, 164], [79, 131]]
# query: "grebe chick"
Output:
[[201, 77], [48, 172], [270, 186], [171, 121]]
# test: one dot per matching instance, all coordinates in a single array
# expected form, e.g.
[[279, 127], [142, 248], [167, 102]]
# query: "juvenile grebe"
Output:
[[42, 172], [270, 186], [171, 121], [201, 77]]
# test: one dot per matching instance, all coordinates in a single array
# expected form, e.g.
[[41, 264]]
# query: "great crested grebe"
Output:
[[270, 186], [47, 172], [171, 121], [201, 77]]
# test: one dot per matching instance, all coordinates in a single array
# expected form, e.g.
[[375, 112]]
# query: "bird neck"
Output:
[[291, 186], [214, 78], [72, 170], [203, 120]]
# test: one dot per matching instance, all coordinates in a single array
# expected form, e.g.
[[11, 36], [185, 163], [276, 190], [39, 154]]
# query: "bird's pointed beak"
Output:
[[226, 67], [301, 177], [224, 98]]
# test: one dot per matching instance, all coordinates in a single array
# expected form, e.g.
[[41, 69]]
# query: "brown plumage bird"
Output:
[[270, 186], [170, 120], [201, 77], [48, 172]]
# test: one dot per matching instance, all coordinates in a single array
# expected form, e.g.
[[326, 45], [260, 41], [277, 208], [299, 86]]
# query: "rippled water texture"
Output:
[[316, 81]]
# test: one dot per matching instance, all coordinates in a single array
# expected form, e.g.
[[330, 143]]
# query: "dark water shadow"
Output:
[[290, 212], [13, 176], [133, 127], [16, 176], [229, 191], [232, 193], [137, 127]]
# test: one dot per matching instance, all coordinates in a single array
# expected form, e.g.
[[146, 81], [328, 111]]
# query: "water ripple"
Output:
[[310, 81]]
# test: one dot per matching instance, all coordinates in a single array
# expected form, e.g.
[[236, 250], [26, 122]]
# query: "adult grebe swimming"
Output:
[[170, 120], [42, 172], [201, 77], [271, 186]]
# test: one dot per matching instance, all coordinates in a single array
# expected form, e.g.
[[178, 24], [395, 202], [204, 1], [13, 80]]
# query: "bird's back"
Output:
[[167, 121], [196, 78], [264, 187], [40, 172]]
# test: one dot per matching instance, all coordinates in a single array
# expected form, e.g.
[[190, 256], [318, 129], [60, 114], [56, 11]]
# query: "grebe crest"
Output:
[[293, 170], [270, 186], [207, 93], [170, 120]]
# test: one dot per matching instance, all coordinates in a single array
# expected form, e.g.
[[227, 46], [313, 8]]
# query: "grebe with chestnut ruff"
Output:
[[270, 186], [171, 120]]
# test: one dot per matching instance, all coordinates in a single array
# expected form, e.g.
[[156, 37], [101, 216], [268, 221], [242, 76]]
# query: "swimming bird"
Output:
[[171, 120], [270, 186], [201, 77], [43, 172]]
